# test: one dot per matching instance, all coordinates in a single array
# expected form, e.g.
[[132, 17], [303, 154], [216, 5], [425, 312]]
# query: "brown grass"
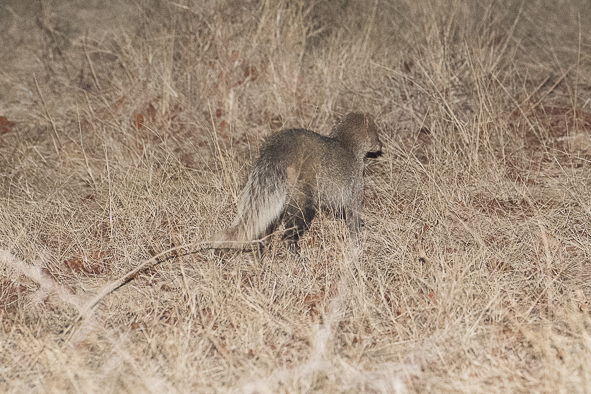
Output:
[[127, 129]]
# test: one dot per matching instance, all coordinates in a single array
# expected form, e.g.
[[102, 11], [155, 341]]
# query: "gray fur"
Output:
[[297, 173]]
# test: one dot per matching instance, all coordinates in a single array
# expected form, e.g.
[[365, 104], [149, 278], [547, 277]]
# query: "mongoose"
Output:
[[297, 173]]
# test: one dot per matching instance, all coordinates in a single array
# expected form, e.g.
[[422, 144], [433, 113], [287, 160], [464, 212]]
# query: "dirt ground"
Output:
[[128, 129]]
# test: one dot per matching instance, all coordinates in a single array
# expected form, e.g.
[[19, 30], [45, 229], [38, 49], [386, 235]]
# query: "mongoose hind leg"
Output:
[[297, 219]]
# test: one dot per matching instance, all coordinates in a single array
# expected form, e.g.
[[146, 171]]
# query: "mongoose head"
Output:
[[359, 133]]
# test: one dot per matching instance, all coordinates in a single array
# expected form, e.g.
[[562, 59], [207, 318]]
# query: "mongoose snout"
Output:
[[299, 172]]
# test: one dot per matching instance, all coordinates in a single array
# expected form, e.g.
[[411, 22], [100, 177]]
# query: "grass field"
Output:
[[128, 129]]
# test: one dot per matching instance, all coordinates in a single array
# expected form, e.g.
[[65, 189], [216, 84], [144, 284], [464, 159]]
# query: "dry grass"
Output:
[[128, 128]]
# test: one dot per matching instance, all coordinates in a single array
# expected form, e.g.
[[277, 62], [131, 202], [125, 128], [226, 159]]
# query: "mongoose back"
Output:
[[297, 173]]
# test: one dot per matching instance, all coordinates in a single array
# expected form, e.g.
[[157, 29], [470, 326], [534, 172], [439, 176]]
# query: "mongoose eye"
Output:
[[374, 155]]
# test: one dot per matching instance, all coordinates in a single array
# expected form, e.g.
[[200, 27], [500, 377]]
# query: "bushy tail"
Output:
[[261, 203]]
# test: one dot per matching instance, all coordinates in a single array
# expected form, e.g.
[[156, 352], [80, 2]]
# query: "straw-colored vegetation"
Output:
[[127, 128]]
